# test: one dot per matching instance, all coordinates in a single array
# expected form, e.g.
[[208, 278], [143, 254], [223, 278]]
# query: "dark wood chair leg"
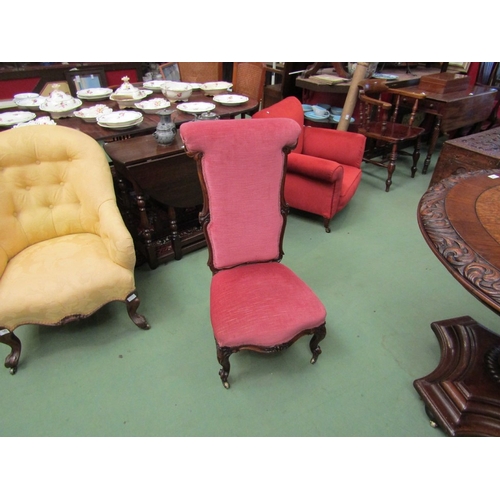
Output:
[[12, 360], [416, 157], [326, 223], [133, 303], [223, 354], [391, 167], [318, 335]]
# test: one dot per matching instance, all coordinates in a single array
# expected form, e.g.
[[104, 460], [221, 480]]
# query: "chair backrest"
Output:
[[290, 107], [53, 181], [249, 78], [380, 103], [241, 164], [200, 72]]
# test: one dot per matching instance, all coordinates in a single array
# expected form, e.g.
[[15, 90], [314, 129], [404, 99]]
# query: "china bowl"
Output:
[[216, 88], [59, 104], [90, 115], [177, 91], [25, 95], [30, 103]]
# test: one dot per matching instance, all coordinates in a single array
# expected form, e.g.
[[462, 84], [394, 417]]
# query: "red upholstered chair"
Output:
[[256, 303], [324, 170]]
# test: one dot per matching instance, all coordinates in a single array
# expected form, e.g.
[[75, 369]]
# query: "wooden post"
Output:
[[352, 96]]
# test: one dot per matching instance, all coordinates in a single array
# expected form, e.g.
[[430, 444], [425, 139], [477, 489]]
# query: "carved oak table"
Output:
[[459, 218]]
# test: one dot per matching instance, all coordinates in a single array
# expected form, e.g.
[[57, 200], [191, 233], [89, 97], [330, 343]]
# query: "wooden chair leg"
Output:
[[318, 335], [326, 223], [133, 303], [12, 360], [391, 166], [223, 354], [415, 156]]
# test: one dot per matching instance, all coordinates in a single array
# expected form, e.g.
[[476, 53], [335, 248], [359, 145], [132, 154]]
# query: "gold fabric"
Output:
[[64, 249]]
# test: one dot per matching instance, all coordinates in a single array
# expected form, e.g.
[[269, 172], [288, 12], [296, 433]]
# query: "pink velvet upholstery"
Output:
[[324, 170], [256, 302]]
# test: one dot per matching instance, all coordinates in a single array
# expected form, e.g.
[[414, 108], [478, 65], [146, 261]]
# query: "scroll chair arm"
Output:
[[316, 168], [386, 106], [115, 236], [343, 147]]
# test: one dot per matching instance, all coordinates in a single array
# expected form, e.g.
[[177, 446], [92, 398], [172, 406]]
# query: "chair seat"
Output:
[[393, 132], [72, 272], [261, 305]]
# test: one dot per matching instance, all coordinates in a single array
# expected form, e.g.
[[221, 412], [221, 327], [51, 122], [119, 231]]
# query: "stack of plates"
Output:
[[97, 94], [119, 120]]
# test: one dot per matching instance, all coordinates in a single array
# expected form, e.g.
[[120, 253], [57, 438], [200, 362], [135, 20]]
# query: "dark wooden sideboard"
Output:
[[159, 195]]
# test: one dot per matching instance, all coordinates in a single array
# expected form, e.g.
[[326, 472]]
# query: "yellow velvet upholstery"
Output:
[[64, 248]]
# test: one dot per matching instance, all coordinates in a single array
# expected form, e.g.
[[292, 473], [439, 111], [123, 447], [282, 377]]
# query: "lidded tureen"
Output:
[[59, 104], [127, 95]]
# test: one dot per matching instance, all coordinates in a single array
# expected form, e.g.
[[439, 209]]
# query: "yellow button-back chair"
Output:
[[64, 249], [256, 303]]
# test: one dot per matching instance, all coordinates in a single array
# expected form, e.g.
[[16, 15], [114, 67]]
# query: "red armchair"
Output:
[[324, 170]]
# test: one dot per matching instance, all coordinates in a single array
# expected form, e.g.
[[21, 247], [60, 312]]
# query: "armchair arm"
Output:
[[343, 147], [316, 168], [115, 235]]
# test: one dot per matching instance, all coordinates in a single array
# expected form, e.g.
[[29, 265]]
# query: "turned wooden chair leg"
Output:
[[391, 167], [133, 303], [12, 360], [318, 335], [326, 223], [416, 157]]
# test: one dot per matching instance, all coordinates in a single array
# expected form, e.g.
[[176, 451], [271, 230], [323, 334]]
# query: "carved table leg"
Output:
[[8, 338], [391, 167], [462, 395], [416, 157], [176, 240]]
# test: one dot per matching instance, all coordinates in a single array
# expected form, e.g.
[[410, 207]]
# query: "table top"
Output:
[[450, 97], [486, 143], [403, 79], [148, 125], [458, 218]]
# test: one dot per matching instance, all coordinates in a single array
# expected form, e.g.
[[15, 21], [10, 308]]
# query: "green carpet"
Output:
[[381, 285]]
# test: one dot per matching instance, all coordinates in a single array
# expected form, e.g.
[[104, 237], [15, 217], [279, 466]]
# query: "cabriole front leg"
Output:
[[319, 334], [12, 360], [133, 303], [223, 354]]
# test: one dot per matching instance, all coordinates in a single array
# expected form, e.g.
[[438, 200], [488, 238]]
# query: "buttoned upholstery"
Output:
[[256, 302], [64, 249], [324, 170]]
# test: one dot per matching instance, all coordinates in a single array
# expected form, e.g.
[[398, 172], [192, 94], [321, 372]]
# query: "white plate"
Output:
[[230, 99], [15, 117], [120, 126], [119, 118], [214, 88], [195, 86], [141, 94], [152, 105], [94, 94], [195, 107]]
